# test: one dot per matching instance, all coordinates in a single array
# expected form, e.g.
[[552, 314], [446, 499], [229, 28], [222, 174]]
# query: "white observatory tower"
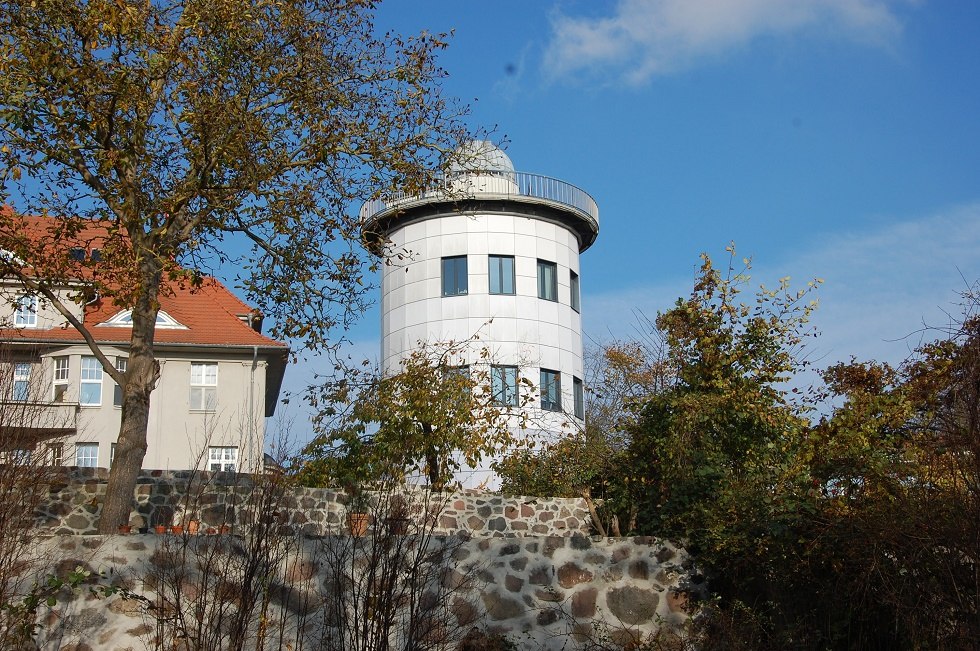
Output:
[[496, 252]]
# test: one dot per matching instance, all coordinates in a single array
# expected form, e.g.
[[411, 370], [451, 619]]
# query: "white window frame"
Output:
[[503, 277], [91, 375], [56, 453], [25, 315], [547, 280], [62, 368], [87, 455], [20, 388], [504, 386], [550, 390], [222, 458], [204, 386]]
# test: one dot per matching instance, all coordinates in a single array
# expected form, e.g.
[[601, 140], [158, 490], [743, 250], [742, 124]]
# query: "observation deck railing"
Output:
[[492, 184]]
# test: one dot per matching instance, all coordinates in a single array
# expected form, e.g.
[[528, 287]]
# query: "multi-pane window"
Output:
[[90, 389], [204, 386], [576, 300], [60, 378], [503, 385], [547, 280], [501, 274], [22, 381], [550, 390], [454, 279], [117, 393], [87, 455], [26, 313], [56, 453], [578, 392], [224, 459]]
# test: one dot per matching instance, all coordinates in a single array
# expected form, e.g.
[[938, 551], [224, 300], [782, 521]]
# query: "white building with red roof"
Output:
[[219, 375]]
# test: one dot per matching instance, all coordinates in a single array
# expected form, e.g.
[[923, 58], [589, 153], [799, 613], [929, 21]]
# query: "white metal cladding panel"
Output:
[[525, 330]]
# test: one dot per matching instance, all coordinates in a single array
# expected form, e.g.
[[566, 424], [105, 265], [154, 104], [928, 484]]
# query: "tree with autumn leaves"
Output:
[[847, 517], [203, 134]]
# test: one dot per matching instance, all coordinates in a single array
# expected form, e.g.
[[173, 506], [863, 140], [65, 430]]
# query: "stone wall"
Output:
[[215, 499], [541, 592]]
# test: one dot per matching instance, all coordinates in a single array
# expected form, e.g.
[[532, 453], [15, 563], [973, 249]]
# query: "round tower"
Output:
[[494, 252]]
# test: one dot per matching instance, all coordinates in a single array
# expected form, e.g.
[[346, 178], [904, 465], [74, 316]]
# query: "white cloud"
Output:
[[643, 38], [884, 287]]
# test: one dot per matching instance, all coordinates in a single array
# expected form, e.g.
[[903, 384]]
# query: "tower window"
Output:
[[578, 393], [576, 299], [547, 280], [503, 384], [454, 281], [501, 274], [550, 390]]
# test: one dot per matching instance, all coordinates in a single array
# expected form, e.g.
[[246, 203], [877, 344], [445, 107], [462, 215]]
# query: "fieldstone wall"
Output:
[[216, 499], [541, 592]]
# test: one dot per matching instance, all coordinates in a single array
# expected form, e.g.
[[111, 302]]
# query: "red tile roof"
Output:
[[211, 313]]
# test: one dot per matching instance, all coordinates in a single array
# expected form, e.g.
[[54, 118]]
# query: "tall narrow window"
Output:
[[22, 381], [60, 379], [87, 455], [550, 390], [90, 390], [501, 274], [454, 279], [579, 395], [56, 453], [112, 453], [26, 312], [204, 386], [117, 393], [223, 459], [503, 385], [576, 299], [547, 280]]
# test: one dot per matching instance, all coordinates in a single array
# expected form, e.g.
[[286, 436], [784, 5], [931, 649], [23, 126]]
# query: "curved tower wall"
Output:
[[521, 329], [501, 213]]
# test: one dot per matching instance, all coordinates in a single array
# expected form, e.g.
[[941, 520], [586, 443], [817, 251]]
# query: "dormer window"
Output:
[[124, 319], [77, 254], [95, 255]]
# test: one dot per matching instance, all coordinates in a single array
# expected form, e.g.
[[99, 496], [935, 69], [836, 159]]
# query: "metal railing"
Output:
[[466, 185]]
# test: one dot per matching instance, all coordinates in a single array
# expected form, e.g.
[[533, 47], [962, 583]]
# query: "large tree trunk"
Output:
[[142, 373]]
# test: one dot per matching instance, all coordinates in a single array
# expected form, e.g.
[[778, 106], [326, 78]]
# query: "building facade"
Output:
[[492, 256], [219, 377]]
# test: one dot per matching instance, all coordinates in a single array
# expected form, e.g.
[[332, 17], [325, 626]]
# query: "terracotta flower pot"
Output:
[[161, 529], [193, 526], [124, 529], [224, 529], [177, 529], [358, 523]]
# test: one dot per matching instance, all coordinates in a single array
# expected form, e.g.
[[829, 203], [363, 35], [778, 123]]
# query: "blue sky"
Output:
[[837, 139], [830, 138]]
